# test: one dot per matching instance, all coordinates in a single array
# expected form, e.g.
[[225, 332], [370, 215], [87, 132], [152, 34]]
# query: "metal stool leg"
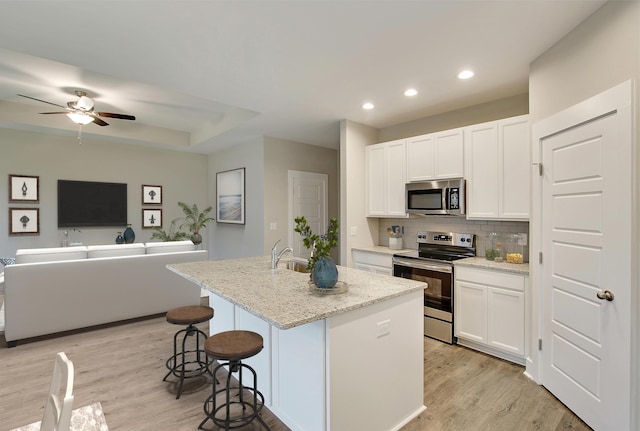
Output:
[[179, 365], [211, 407]]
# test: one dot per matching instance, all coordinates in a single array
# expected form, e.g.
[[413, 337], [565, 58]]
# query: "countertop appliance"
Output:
[[432, 263], [442, 197]]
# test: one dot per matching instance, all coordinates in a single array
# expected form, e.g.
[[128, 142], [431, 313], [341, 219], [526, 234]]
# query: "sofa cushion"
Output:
[[169, 246], [55, 254], [114, 250]]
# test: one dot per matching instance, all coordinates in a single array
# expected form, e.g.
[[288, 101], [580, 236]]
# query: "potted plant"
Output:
[[171, 235], [194, 220], [323, 270]]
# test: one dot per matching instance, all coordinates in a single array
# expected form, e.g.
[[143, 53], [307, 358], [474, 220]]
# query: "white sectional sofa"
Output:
[[52, 290]]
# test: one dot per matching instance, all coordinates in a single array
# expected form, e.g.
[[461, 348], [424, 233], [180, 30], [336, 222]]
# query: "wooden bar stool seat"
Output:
[[190, 360], [240, 409]]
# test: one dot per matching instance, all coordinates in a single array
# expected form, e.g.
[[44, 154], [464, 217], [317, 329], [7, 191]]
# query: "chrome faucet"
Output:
[[276, 256]]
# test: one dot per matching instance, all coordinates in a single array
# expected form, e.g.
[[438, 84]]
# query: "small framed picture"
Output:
[[230, 196], [151, 218], [24, 221], [24, 188], [151, 195]]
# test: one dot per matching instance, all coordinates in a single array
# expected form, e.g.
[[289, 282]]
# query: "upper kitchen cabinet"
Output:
[[386, 177], [436, 156], [497, 163]]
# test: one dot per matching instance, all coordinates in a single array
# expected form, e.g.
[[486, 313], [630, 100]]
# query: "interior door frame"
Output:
[[290, 176], [619, 98]]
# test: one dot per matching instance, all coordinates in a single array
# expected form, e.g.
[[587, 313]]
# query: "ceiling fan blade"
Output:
[[118, 116], [66, 112], [100, 122], [39, 100]]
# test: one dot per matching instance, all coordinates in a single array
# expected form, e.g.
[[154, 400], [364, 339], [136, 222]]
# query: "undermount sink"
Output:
[[297, 265]]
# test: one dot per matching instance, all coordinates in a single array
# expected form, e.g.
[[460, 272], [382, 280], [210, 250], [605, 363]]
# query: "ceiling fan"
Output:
[[81, 111]]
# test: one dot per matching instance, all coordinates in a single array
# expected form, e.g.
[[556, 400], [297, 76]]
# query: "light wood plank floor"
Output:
[[122, 367]]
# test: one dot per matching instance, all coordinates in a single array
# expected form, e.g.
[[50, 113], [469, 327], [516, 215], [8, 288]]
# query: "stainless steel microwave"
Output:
[[442, 197]]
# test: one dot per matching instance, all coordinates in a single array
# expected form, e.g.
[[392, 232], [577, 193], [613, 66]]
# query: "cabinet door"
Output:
[[376, 180], [516, 167], [483, 181], [374, 268], [396, 178], [470, 312], [420, 158], [506, 320], [449, 154]]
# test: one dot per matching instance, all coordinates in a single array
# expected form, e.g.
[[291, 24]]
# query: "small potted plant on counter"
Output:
[[324, 272]]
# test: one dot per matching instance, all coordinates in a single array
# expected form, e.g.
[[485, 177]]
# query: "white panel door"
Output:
[[586, 244], [483, 186], [396, 178], [308, 198], [449, 147], [376, 180]]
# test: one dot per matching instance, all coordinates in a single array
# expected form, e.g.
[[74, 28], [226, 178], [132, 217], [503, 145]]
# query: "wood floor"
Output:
[[122, 367]]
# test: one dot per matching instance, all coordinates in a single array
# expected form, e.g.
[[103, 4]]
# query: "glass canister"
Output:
[[514, 248], [493, 247]]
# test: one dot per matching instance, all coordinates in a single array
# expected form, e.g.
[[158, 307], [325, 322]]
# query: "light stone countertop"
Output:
[[483, 263], [282, 297], [382, 249]]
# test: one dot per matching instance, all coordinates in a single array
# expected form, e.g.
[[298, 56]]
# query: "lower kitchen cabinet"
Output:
[[489, 311], [373, 262]]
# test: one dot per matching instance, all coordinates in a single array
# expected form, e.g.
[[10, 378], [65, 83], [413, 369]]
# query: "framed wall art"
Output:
[[24, 221], [230, 196], [24, 188], [151, 218], [151, 195]]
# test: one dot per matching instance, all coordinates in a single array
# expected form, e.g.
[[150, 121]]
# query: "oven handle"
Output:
[[413, 263]]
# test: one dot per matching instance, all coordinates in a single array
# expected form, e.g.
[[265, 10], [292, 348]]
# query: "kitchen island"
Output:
[[331, 361]]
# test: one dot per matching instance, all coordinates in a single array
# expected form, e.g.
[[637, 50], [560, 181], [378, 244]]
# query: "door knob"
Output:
[[605, 294]]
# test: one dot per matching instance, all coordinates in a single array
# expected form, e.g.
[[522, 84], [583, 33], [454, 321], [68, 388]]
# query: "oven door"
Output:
[[438, 296], [439, 279]]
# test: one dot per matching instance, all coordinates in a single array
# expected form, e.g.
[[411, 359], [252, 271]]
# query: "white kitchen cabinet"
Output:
[[489, 311], [371, 261], [498, 167], [436, 156], [386, 177]]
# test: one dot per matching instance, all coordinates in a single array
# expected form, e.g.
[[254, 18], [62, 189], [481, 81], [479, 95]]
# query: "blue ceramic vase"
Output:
[[119, 238], [325, 273], [129, 235]]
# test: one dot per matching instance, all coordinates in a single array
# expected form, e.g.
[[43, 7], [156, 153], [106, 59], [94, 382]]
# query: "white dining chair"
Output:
[[57, 410]]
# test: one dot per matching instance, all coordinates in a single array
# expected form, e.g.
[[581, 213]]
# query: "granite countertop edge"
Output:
[[483, 263], [285, 304]]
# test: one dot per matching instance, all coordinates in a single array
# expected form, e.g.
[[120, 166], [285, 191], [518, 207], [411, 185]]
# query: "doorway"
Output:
[[585, 224], [307, 197]]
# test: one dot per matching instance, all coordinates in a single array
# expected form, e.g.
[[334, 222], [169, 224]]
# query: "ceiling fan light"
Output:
[[80, 118], [85, 103]]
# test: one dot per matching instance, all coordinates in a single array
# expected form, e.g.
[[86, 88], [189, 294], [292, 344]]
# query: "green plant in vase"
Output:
[[171, 235], [195, 220], [323, 270]]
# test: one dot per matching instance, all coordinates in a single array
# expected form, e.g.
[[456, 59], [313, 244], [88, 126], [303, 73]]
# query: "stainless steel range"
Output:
[[432, 263]]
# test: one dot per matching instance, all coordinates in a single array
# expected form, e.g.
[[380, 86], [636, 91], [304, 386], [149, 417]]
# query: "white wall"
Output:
[[354, 138], [236, 240], [183, 177], [280, 156], [494, 110]]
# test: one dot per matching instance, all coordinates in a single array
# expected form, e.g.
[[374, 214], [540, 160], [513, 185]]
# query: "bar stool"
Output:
[[233, 347], [189, 361]]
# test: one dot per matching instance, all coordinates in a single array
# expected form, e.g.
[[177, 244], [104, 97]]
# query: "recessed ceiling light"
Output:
[[465, 74], [368, 105], [410, 92]]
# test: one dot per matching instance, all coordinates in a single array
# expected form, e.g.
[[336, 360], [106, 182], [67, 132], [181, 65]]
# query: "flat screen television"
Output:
[[89, 203]]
